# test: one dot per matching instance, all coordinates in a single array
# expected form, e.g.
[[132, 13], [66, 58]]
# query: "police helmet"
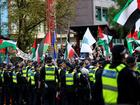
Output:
[[118, 52]]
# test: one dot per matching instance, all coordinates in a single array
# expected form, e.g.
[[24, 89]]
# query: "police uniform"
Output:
[[1, 84], [14, 87], [24, 84], [62, 86], [6, 87], [83, 89], [69, 81], [115, 84], [49, 75], [33, 86], [92, 72]]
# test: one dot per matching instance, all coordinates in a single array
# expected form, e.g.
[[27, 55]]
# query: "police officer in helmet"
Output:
[[49, 75], [115, 83]]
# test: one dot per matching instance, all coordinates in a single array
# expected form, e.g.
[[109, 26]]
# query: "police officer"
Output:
[[33, 85], [131, 62], [14, 86], [1, 82], [6, 85], [49, 75], [115, 84], [24, 81], [70, 85], [92, 70], [62, 68], [83, 86]]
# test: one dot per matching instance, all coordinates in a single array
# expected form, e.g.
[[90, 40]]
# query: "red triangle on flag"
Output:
[[71, 53], [34, 44], [133, 35], [100, 32], [48, 38], [3, 51], [1, 41]]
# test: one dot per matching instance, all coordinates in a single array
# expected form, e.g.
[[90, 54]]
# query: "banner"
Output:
[[23, 55], [4, 18]]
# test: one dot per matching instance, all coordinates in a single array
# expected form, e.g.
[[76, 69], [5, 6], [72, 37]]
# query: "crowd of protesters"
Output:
[[85, 81]]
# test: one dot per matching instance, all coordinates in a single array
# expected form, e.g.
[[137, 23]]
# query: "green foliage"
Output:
[[65, 11], [28, 14], [112, 12]]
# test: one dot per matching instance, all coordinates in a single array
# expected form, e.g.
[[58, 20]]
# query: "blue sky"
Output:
[[4, 18]]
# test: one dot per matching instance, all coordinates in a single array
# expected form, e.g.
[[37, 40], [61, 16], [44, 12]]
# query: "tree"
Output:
[[65, 11], [28, 14], [120, 30]]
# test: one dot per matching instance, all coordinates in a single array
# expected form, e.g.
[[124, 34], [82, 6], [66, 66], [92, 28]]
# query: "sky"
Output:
[[4, 18]]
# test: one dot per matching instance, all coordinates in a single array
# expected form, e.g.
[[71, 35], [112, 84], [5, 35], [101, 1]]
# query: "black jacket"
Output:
[[128, 87]]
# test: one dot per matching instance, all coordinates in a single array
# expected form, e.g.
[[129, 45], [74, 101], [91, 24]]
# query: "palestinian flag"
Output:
[[128, 16], [3, 51], [47, 42], [132, 38], [134, 35], [37, 56], [69, 52], [102, 36], [7, 43], [43, 46], [34, 47], [104, 41]]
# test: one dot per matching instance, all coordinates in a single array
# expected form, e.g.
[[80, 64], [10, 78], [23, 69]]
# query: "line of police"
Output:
[[71, 83]]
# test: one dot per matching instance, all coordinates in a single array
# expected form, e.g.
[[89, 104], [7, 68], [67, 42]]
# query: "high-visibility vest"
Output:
[[59, 70], [33, 77], [79, 74], [69, 78], [50, 73], [14, 77], [24, 71], [109, 82], [92, 74], [2, 75]]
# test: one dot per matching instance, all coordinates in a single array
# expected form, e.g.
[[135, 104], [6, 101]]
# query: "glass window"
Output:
[[105, 14], [98, 14]]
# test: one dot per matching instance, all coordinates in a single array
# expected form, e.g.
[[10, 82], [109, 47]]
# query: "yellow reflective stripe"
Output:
[[107, 67], [32, 76], [69, 78], [32, 80], [109, 81], [50, 72], [2, 76], [24, 73], [79, 74], [69, 83], [91, 74], [14, 77], [59, 71], [120, 67], [49, 77], [112, 96], [49, 66]]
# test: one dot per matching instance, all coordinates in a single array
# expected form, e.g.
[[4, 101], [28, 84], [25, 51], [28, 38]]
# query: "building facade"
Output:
[[92, 12]]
